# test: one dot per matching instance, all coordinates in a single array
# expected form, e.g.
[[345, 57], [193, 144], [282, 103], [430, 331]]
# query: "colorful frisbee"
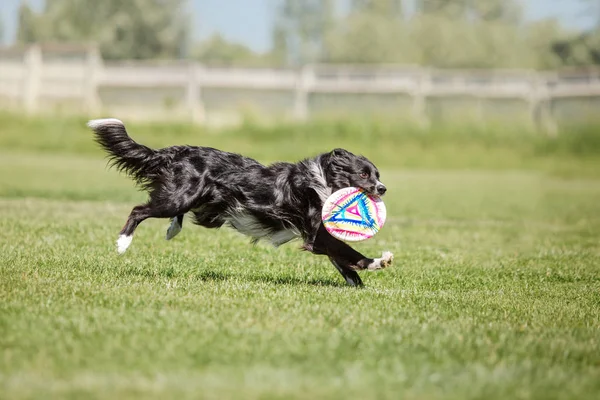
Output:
[[352, 215]]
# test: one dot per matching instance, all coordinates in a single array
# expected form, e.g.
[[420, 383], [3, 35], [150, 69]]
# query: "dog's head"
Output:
[[345, 169]]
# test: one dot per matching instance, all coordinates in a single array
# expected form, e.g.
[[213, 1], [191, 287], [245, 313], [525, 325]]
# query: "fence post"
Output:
[[94, 67], [195, 105], [540, 105], [34, 65], [304, 82], [419, 109]]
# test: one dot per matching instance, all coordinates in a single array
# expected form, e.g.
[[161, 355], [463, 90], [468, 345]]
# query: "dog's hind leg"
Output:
[[137, 215], [143, 212], [164, 203], [175, 227]]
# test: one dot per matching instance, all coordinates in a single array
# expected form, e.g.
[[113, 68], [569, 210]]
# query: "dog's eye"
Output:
[[364, 175]]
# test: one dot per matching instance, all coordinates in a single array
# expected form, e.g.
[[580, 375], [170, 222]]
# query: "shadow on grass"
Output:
[[220, 276], [216, 276]]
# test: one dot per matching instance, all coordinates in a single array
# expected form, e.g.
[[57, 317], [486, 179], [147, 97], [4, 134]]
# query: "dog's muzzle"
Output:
[[380, 189]]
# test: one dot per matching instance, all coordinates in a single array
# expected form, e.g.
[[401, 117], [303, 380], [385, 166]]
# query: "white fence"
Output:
[[37, 77]]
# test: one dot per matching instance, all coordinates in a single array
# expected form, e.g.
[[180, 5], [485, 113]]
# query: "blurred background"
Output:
[[224, 63], [482, 116]]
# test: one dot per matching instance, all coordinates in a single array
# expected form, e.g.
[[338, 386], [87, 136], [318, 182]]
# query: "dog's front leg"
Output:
[[349, 275], [345, 258]]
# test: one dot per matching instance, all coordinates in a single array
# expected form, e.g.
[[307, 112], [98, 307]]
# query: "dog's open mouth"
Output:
[[375, 192]]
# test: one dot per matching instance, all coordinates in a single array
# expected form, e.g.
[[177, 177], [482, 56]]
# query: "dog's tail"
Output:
[[138, 161]]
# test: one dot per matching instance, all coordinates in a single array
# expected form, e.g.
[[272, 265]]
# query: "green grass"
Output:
[[394, 144], [494, 293]]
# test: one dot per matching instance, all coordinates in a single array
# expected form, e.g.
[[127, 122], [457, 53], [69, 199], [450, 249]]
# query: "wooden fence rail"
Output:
[[29, 76]]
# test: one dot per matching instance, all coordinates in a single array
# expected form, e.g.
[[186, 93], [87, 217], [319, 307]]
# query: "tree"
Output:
[[580, 50], [384, 8], [28, 25], [583, 48], [301, 27], [138, 29], [444, 33], [217, 50], [456, 9], [373, 32], [449, 34], [468, 33], [473, 10], [508, 12], [540, 37], [368, 37], [280, 51]]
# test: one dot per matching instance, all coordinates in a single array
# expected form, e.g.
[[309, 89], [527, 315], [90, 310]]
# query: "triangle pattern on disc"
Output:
[[354, 211]]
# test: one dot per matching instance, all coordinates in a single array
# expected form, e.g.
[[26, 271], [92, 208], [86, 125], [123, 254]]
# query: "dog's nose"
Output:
[[381, 190]]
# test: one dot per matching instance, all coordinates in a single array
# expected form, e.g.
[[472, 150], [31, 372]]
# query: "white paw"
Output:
[[380, 263], [123, 243], [173, 229]]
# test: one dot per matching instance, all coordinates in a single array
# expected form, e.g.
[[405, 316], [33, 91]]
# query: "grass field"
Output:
[[494, 293]]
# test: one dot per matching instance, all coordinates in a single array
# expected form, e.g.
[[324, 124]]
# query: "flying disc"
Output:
[[352, 215]]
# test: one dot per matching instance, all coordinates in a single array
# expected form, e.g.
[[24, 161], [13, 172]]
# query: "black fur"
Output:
[[278, 203]]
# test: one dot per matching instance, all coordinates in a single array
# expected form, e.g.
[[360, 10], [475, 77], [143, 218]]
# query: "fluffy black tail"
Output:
[[138, 161]]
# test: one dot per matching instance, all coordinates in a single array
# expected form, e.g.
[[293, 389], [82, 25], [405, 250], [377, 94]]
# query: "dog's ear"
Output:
[[338, 152]]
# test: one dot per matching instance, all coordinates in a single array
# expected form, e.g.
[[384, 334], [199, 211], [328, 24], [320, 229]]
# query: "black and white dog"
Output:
[[277, 203]]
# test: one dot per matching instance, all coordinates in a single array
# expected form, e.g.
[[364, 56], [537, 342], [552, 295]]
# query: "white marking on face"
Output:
[[173, 229], [123, 243]]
